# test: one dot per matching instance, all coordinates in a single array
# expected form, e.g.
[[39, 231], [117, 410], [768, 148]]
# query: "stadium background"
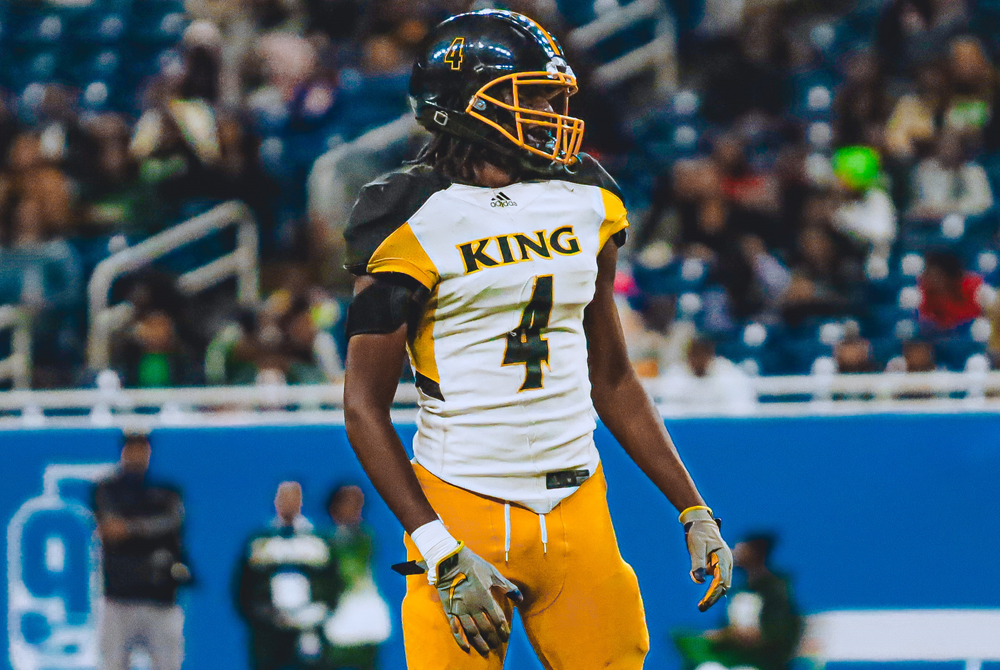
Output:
[[740, 131], [873, 513]]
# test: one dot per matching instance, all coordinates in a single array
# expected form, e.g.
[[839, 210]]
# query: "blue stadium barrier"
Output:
[[868, 510]]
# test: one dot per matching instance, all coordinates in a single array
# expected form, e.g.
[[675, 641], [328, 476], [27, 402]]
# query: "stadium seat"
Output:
[[99, 28], [812, 95], [94, 249], [157, 22], [885, 349], [96, 96], [25, 68], [34, 29], [798, 355], [90, 65], [987, 264], [954, 351]]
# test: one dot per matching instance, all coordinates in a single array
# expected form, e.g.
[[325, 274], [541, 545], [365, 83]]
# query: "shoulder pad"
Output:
[[589, 172], [383, 206]]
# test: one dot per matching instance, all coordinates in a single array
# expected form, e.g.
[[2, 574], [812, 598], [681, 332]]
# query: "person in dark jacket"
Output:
[[288, 582], [139, 526], [763, 625]]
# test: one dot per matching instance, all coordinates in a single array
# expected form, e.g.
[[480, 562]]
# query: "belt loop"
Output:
[[545, 533], [506, 527]]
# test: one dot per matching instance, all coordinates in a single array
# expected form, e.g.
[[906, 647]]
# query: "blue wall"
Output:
[[880, 511]]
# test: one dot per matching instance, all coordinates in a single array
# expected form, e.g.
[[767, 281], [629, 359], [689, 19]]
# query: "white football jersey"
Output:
[[500, 351]]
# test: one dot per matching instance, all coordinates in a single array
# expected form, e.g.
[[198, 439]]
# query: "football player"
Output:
[[491, 260]]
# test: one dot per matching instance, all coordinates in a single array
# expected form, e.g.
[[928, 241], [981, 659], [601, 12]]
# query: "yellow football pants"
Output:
[[582, 607]]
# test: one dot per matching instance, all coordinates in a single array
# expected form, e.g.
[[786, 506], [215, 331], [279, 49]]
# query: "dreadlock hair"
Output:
[[456, 158]]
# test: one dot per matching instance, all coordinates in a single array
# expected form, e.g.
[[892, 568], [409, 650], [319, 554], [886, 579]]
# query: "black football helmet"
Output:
[[474, 74]]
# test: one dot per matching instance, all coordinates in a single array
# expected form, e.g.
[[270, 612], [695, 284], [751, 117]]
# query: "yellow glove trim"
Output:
[[716, 590], [695, 508]]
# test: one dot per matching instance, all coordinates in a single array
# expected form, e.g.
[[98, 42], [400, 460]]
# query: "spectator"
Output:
[[36, 184], [707, 380], [361, 621], [288, 581], [865, 213], [826, 276], [9, 124], [741, 185], [311, 353], [296, 111], [917, 117], [948, 183], [711, 231], [823, 279], [918, 356], [177, 138], [139, 526], [115, 198], [949, 295], [64, 140], [763, 624], [286, 340], [38, 269], [337, 19], [853, 355], [975, 85], [862, 105], [750, 78], [159, 346], [376, 92], [914, 32]]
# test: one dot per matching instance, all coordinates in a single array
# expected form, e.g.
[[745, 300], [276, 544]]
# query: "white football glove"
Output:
[[709, 553]]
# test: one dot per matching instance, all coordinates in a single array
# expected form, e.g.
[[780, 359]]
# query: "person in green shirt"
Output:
[[287, 583], [763, 624], [361, 621]]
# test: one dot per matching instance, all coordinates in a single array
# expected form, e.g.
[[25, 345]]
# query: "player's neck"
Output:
[[491, 176]]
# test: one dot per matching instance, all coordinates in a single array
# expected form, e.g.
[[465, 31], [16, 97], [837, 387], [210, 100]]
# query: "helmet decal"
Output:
[[455, 53]]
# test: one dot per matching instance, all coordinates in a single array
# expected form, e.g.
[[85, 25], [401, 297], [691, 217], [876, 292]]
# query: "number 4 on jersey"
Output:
[[526, 346]]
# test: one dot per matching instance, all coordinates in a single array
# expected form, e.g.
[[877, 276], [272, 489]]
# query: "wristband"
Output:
[[434, 543], [686, 515]]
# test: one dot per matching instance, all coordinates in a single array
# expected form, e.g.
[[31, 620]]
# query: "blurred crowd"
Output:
[[828, 202], [818, 186]]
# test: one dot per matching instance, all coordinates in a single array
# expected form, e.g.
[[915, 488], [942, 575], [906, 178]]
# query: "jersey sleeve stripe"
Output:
[[401, 252], [422, 348], [615, 218]]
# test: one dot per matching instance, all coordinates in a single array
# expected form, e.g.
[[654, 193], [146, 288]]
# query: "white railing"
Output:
[[656, 56], [112, 404], [17, 366], [337, 176], [241, 263], [891, 636]]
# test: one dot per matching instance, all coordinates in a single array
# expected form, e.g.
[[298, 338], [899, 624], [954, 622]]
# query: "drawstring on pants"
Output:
[[506, 526], [506, 532]]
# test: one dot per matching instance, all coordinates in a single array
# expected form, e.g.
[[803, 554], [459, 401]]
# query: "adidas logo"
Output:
[[501, 200]]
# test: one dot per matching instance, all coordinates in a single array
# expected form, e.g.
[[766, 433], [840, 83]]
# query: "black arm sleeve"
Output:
[[392, 300]]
